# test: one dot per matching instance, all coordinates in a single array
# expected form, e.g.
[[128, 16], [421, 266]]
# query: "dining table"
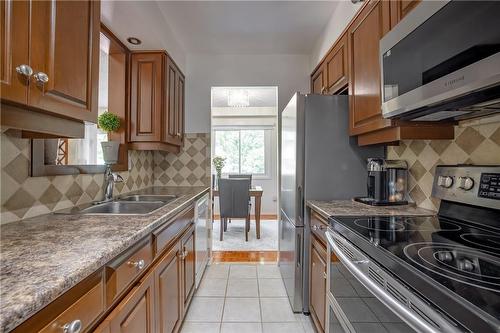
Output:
[[256, 193]]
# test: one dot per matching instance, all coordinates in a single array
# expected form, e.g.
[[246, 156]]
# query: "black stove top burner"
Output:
[[462, 264], [398, 223], [483, 240]]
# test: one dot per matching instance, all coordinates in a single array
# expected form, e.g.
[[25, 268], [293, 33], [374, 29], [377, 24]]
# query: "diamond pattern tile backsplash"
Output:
[[478, 144], [191, 167], [23, 196]]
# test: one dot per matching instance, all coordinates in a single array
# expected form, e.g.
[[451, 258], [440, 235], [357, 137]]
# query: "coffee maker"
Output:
[[386, 182]]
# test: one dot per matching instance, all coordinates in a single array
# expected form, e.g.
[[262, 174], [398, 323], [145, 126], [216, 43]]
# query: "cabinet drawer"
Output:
[[318, 226], [124, 269], [80, 306], [165, 235], [85, 310]]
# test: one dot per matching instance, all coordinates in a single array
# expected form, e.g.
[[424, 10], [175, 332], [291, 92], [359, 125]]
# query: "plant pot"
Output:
[[110, 151]]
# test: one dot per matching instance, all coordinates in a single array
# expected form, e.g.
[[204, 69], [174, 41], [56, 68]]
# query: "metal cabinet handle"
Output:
[[178, 134], [140, 264], [74, 327], [41, 78], [318, 227], [323, 89], [25, 70], [324, 275]]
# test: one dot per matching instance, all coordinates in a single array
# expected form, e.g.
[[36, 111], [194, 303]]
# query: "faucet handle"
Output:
[[117, 178]]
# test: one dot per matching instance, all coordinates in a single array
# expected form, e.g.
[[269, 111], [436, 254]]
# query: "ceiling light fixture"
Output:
[[134, 41], [238, 98]]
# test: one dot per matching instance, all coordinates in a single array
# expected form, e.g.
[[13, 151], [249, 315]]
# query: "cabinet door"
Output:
[[180, 108], [318, 282], [172, 134], [401, 8], [146, 97], [65, 47], [14, 16], [168, 299], [364, 68], [336, 66], [318, 81], [188, 266], [135, 314]]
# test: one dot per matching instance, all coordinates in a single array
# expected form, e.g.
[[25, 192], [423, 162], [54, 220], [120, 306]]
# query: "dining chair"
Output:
[[234, 194], [242, 176]]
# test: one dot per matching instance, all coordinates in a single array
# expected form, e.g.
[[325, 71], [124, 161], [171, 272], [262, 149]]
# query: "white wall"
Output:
[[289, 73], [343, 13]]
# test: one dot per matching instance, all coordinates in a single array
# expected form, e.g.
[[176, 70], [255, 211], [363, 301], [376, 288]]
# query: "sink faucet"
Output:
[[110, 179]]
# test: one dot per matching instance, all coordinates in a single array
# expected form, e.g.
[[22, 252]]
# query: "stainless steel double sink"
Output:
[[137, 204]]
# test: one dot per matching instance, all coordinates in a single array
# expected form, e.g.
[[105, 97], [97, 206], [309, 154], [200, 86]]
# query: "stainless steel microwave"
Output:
[[442, 62]]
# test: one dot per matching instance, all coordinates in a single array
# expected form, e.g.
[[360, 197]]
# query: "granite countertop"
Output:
[[350, 207], [44, 256]]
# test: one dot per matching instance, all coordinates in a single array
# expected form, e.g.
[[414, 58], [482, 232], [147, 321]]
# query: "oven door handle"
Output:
[[412, 319]]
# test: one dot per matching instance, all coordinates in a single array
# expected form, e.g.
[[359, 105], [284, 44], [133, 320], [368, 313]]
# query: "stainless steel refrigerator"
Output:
[[319, 161]]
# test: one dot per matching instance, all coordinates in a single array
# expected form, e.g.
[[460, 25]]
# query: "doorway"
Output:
[[244, 127]]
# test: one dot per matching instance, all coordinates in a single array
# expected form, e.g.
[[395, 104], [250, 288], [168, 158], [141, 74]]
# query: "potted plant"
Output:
[[109, 122], [219, 162]]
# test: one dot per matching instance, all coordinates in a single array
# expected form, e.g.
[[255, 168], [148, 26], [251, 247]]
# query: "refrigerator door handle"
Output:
[[301, 203], [299, 251]]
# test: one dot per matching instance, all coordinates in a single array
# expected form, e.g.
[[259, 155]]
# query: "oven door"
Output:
[[362, 298]]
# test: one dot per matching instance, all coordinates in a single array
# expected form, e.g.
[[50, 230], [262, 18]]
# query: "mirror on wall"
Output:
[[74, 156]]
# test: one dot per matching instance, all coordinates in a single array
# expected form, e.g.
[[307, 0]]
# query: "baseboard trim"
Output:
[[262, 217], [244, 256]]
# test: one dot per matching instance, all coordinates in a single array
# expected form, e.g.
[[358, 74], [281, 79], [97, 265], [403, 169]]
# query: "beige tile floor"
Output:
[[241, 298]]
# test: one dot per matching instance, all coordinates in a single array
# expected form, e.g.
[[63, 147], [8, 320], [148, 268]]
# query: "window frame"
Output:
[[268, 133]]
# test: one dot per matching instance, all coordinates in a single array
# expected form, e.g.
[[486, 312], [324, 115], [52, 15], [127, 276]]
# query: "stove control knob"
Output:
[[445, 181], [466, 265], [445, 256], [465, 183]]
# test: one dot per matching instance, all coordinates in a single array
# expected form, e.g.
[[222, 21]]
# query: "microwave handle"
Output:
[[411, 318]]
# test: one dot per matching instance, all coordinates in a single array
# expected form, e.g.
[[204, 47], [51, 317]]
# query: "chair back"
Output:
[[234, 194], [242, 176]]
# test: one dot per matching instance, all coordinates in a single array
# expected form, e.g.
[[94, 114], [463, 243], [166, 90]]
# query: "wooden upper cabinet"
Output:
[[336, 66], [318, 80], [180, 107], [50, 60], [157, 102], [136, 313], [65, 52], [364, 36], [14, 16], [401, 8], [145, 95]]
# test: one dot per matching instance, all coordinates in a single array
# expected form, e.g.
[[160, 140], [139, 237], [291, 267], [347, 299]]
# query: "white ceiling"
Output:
[[222, 27]]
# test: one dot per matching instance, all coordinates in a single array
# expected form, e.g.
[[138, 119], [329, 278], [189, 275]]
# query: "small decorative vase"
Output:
[[110, 151]]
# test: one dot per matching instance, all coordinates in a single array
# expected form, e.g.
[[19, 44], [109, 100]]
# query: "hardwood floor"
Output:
[[244, 256]]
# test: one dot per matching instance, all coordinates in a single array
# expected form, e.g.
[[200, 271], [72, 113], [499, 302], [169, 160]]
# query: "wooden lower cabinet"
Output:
[[136, 313], [318, 273], [188, 267], [318, 283], [168, 290]]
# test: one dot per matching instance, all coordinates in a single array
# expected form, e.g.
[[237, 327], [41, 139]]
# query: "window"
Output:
[[245, 150]]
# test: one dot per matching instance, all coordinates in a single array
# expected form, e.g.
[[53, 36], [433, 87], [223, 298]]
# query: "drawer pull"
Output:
[[24, 70], [74, 327], [140, 264]]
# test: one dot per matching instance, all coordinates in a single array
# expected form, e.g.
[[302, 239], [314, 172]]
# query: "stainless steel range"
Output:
[[421, 274]]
